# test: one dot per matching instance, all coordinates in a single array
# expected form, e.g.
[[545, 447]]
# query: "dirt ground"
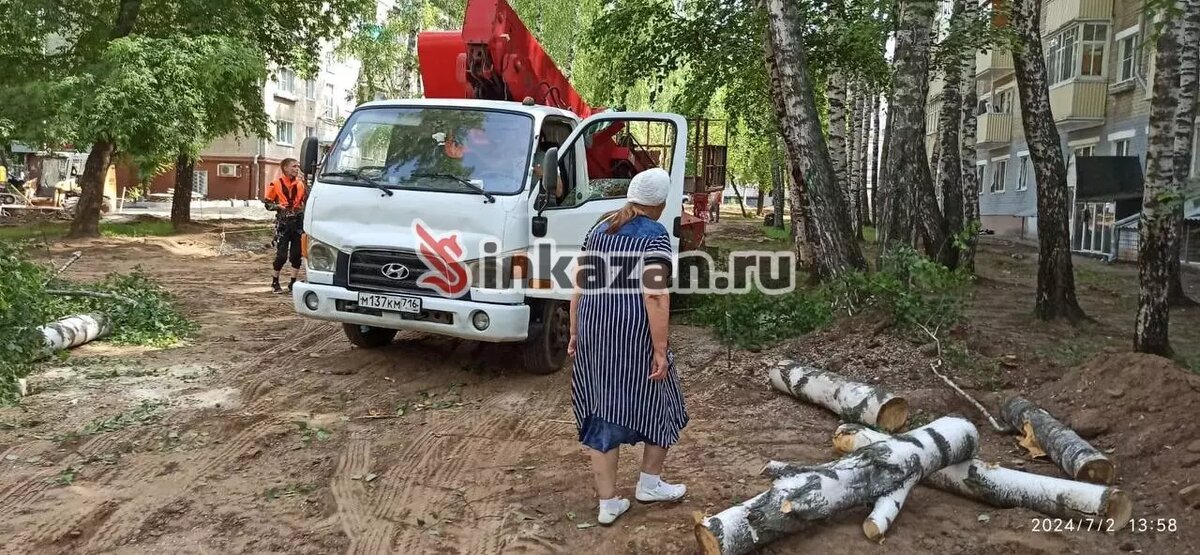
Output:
[[271, 434]]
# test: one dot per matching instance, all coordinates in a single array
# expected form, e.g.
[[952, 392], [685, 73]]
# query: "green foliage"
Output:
[[55, 230], [151, 319], [755, 319], [913, 290], [147, 411], [23, 307], [308, 433]]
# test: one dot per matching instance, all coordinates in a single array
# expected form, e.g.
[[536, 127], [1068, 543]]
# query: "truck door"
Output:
[[596, 163]]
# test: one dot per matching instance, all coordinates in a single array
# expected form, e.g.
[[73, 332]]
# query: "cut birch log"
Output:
[[853, 402], [1042, 433], [1001, 487], [880, 474], [74, 331]]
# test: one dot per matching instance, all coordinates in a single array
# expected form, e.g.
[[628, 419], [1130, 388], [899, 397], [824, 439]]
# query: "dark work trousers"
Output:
[[287, 240]]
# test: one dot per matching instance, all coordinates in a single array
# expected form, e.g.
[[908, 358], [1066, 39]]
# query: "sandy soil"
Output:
[[271, 434]]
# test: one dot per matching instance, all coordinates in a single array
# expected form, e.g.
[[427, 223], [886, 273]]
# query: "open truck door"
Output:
[[595, 166]]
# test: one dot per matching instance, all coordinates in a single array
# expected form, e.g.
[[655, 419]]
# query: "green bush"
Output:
[[151, 319], [755, 319], [23, 307]]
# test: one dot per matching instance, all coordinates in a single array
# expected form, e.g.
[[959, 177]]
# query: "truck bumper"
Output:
[[507, 323]]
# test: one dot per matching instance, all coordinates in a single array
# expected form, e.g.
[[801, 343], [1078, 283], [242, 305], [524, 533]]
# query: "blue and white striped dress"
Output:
[[614, 399]]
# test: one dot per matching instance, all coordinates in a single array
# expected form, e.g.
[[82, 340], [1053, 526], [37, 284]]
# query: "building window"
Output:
[[287, 81], [284, 132], [200, 182], [1081, 151], [1023, 177], [310, 132], [1004, 102], [1127, 50], [1121, 147], [1068, 56], [310, 89], [1095, 38], [998, 176], [979, 172], [329, 101]]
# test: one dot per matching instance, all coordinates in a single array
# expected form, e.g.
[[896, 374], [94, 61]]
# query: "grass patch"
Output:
[[58, 230], [1069, 353], [778, 234]]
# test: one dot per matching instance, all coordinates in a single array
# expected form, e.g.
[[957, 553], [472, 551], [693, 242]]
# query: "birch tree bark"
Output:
[[949, 126], [967, 176], [1185, 130], [909, 186], [838, 152], [873, 163], [1162, 200], [861, 143], [1056, 277], [816, 197], [851, 187]]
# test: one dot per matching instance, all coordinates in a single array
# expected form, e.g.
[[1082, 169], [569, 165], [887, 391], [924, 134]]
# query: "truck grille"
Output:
[[366, 271]]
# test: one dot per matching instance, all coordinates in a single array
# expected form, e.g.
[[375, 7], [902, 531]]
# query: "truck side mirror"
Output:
[[309, 151], [549, 174], [539, 226]]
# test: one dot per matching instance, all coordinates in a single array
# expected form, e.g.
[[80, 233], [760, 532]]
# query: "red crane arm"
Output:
[[494, 57]]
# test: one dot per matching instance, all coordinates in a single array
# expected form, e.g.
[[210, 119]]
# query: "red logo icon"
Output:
[[443, 255]]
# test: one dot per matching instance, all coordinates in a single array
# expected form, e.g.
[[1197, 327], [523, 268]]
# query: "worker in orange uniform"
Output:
[[285, 196]]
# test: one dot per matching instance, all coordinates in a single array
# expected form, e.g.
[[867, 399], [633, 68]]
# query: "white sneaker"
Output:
[[662, 492], [609, 514]]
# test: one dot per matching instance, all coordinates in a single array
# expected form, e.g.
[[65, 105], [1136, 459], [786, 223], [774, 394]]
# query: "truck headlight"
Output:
[[321, 257]]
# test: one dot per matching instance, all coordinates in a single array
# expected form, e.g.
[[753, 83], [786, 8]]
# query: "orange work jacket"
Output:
[[287, 192]]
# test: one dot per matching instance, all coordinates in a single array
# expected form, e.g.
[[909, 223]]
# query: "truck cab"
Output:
[[455, 216]]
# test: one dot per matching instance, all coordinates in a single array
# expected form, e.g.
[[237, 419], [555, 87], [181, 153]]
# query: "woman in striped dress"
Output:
[[625, 387]]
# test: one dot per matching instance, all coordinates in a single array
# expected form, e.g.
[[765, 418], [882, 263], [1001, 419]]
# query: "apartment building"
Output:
[[1100, 71], [239, 167]]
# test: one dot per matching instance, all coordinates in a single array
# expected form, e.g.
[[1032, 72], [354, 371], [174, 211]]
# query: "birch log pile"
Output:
[[1042, 433], [74, 331], [880, 474], [853, 402], [1004, 488]]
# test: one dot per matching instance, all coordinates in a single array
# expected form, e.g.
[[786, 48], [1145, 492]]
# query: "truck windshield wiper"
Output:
[[462, 180], [357, 174]]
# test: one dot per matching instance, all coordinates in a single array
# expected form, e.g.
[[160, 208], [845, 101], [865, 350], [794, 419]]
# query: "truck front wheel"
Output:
[[368, 337], [546, 349]]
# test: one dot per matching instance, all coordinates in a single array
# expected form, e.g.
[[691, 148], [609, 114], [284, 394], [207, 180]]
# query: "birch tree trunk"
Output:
[[873, 162], [910, 191], [968, 131], [1162, 201], [815, 192], [949, 125], [884, 157], [1042, 433], [852, 182], [1185, 130], [1056, 277], [1005, 488], [861, 143], [853, 402], [835, 90], [881, 474], [777, 192]]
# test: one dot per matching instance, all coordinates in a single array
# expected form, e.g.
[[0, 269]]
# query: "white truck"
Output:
[[468, 171]]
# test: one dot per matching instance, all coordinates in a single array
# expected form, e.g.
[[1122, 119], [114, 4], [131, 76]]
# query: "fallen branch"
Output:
[[1110, 508], [880, 474], [92, 294], [74, 331], [979, 406], [854, 402], [74, 256], [1044, 434]]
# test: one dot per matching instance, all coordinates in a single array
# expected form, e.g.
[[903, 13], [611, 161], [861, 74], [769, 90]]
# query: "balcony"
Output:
[[993, 130], [1078, 104], [1060, 13], [993, 64]]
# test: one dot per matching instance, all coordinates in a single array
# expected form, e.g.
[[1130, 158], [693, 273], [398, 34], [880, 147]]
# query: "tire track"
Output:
[[367, 533], [133, 513]]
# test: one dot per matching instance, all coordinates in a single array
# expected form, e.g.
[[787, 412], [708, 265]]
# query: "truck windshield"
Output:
[[433, 149]]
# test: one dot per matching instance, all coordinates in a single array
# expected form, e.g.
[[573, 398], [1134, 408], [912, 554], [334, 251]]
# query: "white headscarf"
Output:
[[650, 187]]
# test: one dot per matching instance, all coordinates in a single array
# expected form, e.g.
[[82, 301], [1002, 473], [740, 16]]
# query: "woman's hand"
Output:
[[571, 346], [658, 368]]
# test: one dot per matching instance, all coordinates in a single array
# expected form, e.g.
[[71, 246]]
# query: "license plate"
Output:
[[391, 303]]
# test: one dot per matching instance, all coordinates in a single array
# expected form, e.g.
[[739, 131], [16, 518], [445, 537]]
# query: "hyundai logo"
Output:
[[394, 270]]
